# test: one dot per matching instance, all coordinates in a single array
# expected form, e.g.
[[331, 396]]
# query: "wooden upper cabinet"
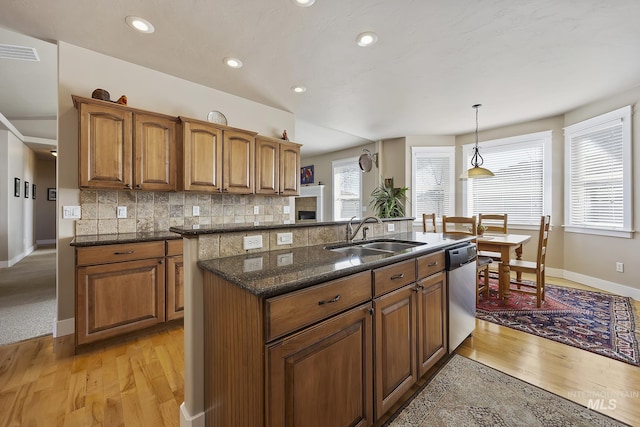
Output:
[[124, 148], [289, 169], [237, 171], [155, 152], [277, 167], [105, 146], [202, 157]]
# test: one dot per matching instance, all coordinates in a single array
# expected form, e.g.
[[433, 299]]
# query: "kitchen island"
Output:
[[289, 335]]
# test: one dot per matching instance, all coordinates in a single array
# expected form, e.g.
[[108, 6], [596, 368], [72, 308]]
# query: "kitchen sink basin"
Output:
[[379, 247]]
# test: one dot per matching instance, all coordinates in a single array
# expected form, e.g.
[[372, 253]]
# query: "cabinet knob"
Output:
[[371, 310], [161, 261], [127, 186], [138, 186]]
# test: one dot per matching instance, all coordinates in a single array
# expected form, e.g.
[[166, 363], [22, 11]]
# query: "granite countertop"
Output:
[[232, 228], [268, 274], [110, 239]]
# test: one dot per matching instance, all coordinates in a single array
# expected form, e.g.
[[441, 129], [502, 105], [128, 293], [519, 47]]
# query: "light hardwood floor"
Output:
[[140, 382]]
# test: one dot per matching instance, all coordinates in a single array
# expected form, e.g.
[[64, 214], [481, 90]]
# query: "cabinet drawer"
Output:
[[293, 311], [429, 264], [105, 254], [174, 247], [393, 276]]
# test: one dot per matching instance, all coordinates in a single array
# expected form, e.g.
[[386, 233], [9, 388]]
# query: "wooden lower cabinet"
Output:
[[175, 287], [395, 346], [322, 376], [113, 299], [432, 321]]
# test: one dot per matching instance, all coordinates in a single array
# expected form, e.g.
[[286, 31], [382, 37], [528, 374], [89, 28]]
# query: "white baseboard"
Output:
[[46, 242], [188, 420], [601, 284], [64, 327]]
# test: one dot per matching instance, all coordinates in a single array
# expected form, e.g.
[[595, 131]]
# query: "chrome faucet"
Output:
[[351, 233]]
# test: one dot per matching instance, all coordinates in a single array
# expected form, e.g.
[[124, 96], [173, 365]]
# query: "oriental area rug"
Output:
[[593, 321], [467, 393]]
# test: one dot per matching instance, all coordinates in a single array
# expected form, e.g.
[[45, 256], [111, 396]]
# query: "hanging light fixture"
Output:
[[476, 171]]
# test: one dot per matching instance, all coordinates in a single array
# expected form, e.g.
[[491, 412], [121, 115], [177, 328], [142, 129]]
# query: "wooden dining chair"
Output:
[[467, 225], [537, 267], [429, 222], [494, 223]]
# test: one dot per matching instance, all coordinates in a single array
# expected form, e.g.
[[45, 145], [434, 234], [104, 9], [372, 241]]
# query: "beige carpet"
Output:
[[28, 297], [467, 393]]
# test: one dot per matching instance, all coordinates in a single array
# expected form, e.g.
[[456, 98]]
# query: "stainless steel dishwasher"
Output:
[[461, 292]]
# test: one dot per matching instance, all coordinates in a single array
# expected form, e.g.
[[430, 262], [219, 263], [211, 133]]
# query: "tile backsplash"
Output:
[[157, 211]]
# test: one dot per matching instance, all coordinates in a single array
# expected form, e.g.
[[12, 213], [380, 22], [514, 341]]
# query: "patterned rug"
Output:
[[594, 321], [467, 393]]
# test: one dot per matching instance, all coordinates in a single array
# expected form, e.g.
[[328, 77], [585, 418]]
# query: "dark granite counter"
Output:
[[110, 239], [267, 274], [233, 228]]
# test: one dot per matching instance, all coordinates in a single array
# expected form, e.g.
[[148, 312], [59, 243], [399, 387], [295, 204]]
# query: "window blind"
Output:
[[433, 178], [518, 187], [347, 189]]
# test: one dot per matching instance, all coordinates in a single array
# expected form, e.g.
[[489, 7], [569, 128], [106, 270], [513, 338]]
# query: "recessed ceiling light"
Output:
[[304, 3], [140, 24], [366, 39], [233, 62], [299, 89]]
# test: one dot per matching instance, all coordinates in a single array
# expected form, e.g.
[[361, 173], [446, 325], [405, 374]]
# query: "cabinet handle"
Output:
[[415, 289], [433, 264], [421, 287], [397, 276], [334, 299], [124, 253]]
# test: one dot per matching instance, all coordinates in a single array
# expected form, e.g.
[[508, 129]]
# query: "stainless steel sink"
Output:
[[376, 247]]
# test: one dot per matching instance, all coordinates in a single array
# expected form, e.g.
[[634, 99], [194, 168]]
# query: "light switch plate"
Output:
[[391, 227], [256, 210], [196, 211], [71, 212], [286, 209], [121, 212], [284, 239]]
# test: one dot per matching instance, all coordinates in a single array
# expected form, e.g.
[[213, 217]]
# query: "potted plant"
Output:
[[388, 202], [480, 229]]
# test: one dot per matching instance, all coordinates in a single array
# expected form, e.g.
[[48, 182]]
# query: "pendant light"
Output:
[[476, 171]]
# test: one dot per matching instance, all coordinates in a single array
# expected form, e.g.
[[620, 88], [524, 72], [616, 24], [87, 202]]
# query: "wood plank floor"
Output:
[[140, 382]]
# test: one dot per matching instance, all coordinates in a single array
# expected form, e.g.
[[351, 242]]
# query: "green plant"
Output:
[[480, 229], [388, 202]]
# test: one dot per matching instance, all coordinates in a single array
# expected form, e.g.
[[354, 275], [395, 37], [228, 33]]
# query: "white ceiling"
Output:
[[522, 60]]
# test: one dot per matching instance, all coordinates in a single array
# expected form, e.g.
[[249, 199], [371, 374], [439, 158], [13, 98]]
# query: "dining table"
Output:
[[503, 244]]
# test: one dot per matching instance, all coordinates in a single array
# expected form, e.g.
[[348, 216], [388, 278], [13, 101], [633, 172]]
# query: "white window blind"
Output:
[[521, 185], [433, 181], [347, 189], [598, 174]]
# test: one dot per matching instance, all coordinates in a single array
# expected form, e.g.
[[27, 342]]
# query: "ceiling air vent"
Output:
[[18, 52]]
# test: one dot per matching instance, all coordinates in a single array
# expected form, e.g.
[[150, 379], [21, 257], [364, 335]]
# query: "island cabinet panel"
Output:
[[155, 153], [395, 346], [432, 318], [105, 147], [175, 287], [289, 169], [116, 298], [238, 170], [202, 157], [323, 375]]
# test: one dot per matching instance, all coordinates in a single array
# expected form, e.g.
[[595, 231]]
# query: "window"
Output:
[[521, 186], [347, 189], [598, 175], [433, 181]]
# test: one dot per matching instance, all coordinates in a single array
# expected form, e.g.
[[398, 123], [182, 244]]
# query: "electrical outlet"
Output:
[[284, 239], [620, 267], [391, 227], [286, 210], [252, 242], [196, 211], [71, 212], [256, 210], [121, 212]]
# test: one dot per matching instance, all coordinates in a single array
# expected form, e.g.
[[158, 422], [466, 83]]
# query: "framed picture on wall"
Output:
[[306, 175], [51, 194], [33, 191], [16, 187], [26, 189]]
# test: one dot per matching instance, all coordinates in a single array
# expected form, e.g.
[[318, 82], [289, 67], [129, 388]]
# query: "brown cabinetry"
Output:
[[217, 158], [124, 148], [121, 288], [277, 167], [432, 318]]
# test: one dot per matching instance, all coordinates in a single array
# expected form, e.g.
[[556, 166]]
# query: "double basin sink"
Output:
[[374, 247]]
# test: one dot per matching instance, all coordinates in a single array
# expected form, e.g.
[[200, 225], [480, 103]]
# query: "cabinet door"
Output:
[[289, 169], [105, 147], [267, 166], [112, 299], [202, 157], [432, 321], [175, 287], [155, 153], [395, 346], [323, 375], [238, 169]]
